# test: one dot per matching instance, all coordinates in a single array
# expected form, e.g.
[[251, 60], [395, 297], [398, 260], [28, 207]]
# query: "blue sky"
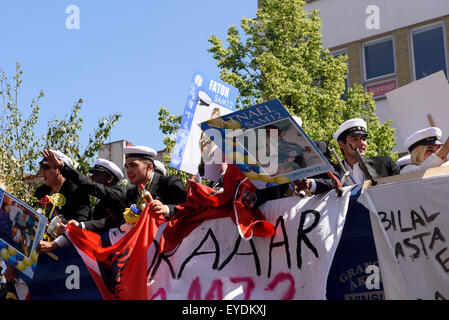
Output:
[[127, 56]]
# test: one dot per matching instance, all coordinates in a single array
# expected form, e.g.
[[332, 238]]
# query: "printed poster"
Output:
[[21, 229], [208, 98], [267, 144]]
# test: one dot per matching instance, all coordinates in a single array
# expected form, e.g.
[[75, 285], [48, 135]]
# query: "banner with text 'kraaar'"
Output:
[[410, 221], [214, 262]]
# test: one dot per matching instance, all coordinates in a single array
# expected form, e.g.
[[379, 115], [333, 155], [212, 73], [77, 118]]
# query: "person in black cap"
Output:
[[352, 134]]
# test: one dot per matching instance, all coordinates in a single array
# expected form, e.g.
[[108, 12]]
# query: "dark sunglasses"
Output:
[[44, 167]]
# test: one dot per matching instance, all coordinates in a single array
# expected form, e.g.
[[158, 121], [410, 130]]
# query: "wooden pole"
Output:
[[431, 122]]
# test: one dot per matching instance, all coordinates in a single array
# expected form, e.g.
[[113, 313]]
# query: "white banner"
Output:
[[410, 221], [214, 262]]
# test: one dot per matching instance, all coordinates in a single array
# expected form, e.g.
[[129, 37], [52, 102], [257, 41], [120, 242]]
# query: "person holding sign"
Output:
[[426, 150], [352, 135], [317, 184]]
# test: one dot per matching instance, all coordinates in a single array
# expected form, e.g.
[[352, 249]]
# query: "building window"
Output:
[[378, 58], [429, 52]]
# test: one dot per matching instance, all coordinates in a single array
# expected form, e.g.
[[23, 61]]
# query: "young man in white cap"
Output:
[[103, 185], [108, 210], [352, 134], [167, 191], [77, 200], [77, 204], [426, 150]]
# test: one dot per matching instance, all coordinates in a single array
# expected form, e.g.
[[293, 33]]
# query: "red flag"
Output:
[[120, 270], [204, 203]]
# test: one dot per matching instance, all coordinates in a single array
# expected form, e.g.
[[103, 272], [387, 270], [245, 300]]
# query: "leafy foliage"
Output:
[[169, 125], [20, 147], [281, 56]]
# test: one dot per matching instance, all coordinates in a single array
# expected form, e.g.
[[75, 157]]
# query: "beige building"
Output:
[[389, 43]]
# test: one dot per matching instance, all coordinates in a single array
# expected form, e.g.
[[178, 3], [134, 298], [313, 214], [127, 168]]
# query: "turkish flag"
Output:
[[120, 270]]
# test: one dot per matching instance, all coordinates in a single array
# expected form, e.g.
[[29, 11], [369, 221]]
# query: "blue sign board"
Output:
[[207, 98]]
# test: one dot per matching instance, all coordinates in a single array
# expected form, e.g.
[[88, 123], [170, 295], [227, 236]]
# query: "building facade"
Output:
[[389, 43]]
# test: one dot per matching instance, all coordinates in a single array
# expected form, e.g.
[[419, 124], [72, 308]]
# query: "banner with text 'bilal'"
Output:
[[207, 98], [21, 229], [267, 144], [410, 221]]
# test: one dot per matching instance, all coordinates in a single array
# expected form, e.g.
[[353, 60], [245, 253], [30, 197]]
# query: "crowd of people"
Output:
[[115, 204]]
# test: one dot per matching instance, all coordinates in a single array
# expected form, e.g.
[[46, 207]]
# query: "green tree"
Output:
[[281, 56], [20, 147], [169, 125]]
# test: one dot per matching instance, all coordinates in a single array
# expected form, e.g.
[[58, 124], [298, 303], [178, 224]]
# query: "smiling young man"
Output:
[[76, 206], [353, 134], [167, 191]]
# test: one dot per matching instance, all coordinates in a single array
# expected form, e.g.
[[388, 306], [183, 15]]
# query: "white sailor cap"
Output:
[[204, 99], [352, 126], [424, 137], [159, 166], [403, 161], [108, 167], [298, 120], [61, 156], [140, 152]]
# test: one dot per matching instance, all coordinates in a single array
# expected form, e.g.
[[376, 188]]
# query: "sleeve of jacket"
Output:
[[323, 182], [95, 189], [394, 169], [81, 203], [270, 193], [99, 225], [176, 193]]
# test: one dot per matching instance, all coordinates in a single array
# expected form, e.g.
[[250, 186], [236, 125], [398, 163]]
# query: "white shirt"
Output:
[[433, 161], [356, 174]]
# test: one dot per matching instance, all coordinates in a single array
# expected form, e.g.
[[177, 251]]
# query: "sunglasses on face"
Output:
[[44, 167]]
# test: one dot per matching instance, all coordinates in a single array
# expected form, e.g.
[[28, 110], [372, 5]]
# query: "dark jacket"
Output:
[[378, 167], [170, 190], [77, 201], [108, 211]]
